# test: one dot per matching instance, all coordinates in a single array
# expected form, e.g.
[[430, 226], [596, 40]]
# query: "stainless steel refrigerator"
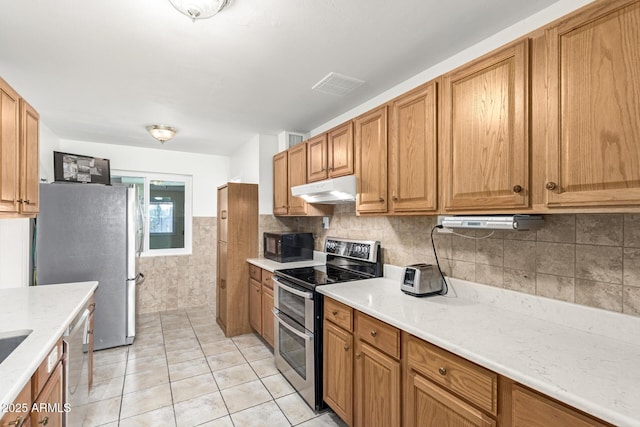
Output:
[[88, 232]]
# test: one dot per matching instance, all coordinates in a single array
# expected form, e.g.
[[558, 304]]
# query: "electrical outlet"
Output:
[[325, 222]]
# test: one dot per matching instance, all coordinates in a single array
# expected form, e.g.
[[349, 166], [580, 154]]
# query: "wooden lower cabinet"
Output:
[[50, 402], [530, 409], [377, 388], [17, 414], [428, 405], [268, 331], [337, 384], [372, 378], [261, 302], [255, 305]]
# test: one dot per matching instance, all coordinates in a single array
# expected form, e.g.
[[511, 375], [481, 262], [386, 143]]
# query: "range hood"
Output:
[[330, 191], [493, 222]]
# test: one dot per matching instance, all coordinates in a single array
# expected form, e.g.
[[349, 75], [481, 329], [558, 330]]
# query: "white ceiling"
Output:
[[102, 70]]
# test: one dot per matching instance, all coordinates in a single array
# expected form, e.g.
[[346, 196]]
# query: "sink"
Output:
[[9, 341]]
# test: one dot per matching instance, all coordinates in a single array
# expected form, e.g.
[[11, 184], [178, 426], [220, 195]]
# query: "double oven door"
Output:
[[297, 341]]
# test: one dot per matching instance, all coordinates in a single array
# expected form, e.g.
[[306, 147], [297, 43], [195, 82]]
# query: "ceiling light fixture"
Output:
[[199, 9], [161, 132]]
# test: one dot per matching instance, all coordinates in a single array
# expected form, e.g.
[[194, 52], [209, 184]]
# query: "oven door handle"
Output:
[[306, 337], [306, 295]]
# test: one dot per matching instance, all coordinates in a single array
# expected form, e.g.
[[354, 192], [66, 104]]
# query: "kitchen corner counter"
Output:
[[269, 265], [585, 357], [47, 311]]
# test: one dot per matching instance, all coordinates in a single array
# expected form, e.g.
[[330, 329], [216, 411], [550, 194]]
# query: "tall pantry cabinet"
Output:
[[237, 241]]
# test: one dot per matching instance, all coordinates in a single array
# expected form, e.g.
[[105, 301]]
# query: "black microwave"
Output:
[[288, 247]]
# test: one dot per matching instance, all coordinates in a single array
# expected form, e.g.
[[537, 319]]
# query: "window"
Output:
[[161, 217], [164, 220]]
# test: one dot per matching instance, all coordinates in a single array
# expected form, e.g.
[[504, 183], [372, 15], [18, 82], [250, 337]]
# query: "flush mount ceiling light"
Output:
[[199, 9], [161, 132]]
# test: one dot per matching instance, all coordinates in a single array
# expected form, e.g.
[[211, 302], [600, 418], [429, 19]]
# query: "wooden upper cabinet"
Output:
[[485, 132], [9, 148], [413, 165], [280, 184], [317, 168], [371, 161], [297, 176], [330, 155], [30, 179], [593, 138], [340, 150]]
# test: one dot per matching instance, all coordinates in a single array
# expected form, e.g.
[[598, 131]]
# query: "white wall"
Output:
[[49, 143], [517, 30], [208, 171], [14, 253], [253, 163], [268, 147], [245, 163]]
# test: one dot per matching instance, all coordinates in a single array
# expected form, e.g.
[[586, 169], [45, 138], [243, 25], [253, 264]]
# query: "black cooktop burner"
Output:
[[321, 275]]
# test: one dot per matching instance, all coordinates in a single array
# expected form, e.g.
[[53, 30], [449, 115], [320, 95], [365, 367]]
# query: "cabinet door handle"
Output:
[[223, 214], [258, 290], [357, 355], [334, 312], [381, 199], [550, 185], [20, 201], [517, 188], [374, 333], [442, 370], [395, 198], [346, 348], [44, 422], [16, 422]]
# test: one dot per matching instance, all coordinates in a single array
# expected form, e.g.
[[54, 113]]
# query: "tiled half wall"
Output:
[[181, 281], [588, 259]]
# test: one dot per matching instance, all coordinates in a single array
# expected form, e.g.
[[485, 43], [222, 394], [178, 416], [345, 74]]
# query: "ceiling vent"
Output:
[[337, 84]]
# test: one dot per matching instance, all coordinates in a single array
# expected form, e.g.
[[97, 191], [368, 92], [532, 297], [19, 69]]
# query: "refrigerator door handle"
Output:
[[131, 309]]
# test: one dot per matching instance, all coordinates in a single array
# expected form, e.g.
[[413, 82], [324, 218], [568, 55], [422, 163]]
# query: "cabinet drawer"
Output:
[[338, 313], [267, 279], [255, 272], [40, 377], [18, 412], [379, 334], [470, 381]]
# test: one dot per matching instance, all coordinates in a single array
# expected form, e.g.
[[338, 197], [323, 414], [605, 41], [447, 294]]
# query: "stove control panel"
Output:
[[360, 249]]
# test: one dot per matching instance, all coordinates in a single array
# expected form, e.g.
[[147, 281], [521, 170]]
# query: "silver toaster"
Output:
[[422, 280]]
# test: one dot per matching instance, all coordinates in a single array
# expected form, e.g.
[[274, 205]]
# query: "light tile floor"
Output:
[[182, 371]]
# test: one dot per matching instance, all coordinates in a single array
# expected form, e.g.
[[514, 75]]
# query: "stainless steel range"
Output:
[[298, 310]]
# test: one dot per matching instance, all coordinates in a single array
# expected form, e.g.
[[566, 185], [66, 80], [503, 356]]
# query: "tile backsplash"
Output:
[[589, 259], [181, 281]]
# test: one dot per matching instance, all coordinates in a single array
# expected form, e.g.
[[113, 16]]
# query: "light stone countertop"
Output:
[[269, 265], [48, 311], [586, 357]]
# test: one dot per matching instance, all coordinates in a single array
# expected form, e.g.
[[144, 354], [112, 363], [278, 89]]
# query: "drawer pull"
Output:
[[17, 422], [44, 422], [374, 333], [517, 188], [258, 290], [334, 312], [346, 348], [443, 371], [357, 355], [550, 185]]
